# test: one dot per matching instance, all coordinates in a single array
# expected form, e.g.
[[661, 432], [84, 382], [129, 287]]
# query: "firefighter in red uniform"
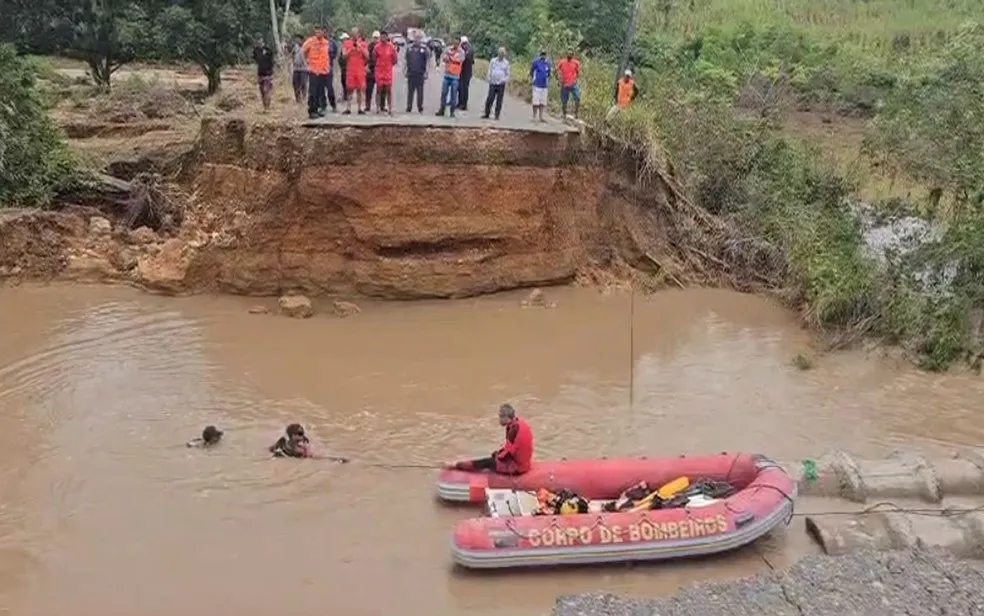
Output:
[[514, 457]]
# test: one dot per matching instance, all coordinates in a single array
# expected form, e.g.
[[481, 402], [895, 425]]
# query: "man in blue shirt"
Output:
[[540, 75]]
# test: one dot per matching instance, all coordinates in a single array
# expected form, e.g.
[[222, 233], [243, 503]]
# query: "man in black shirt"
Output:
[[415, 69], [467, 66], [264, 58], [371, 70]]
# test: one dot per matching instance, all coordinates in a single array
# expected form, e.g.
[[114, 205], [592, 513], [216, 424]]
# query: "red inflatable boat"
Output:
[[514, 534]]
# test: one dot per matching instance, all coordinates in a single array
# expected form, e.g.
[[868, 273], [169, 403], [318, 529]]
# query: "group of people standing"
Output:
[[368, 67]]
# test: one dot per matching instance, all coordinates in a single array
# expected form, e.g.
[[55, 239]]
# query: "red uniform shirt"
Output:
[[516, 455], [569, 71], [356, 56], [386, 57]]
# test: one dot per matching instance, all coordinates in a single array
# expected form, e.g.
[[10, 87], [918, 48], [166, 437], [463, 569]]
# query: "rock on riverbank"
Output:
[[861, 584]]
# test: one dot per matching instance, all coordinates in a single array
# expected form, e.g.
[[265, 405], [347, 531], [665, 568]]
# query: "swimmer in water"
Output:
[[209, 438], [295, 444]]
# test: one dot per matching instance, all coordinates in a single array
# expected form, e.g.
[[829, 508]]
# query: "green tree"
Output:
[[490, 24], [344, 15], [105, 34], [600, 23], [213, 34], [33, 157], [931, 127]]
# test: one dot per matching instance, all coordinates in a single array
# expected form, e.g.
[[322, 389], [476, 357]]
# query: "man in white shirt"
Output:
[[499, 73]]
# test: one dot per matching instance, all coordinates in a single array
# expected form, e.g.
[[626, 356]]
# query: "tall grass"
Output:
[[871, 24]]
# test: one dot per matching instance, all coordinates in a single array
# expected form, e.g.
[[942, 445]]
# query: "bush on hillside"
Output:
[[33, 158]]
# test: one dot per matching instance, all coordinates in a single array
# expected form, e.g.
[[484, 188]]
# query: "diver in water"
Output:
[[209, 438], [295, 444]]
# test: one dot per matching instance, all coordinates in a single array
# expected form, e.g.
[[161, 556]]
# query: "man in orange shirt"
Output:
[[386, 58], [317, 52], [356, 54], [569, 71]]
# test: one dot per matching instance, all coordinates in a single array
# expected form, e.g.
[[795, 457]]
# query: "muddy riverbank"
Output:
[[107, 510], [861, 584]]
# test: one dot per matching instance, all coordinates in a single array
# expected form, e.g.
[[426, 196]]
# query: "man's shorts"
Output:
[[539, 97], [355, 81], [566, 92]]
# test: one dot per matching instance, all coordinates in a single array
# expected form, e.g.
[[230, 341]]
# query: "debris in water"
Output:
[[295, 306], [537, 299], [803, 361], [342, 309]]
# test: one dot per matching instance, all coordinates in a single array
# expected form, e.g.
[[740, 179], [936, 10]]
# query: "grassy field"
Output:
[[871, 24], [768, 110]]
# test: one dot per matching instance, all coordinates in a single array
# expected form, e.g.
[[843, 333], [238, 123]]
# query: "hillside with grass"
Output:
[[828, 152], [838, 144]]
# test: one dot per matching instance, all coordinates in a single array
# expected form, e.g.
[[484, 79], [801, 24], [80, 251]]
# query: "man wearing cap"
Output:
[[625, 93], [540, 76], [371, 70], [343, 66], [386, 59], [464, 83]]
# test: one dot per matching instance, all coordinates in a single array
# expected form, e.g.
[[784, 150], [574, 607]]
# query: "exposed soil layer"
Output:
[[396, 212]]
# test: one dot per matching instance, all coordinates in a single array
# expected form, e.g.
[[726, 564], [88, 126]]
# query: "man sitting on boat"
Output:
[[514, 457]]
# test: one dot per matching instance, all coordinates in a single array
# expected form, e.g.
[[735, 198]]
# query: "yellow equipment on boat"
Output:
[[673, 488], [666, 492]]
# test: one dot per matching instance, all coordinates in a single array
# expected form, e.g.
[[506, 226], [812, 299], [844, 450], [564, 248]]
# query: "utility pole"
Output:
[[629, 38]]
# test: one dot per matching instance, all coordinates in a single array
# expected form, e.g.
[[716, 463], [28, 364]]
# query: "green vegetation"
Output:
[[213, 34], [33, 158], [721, 82], [719, 78]]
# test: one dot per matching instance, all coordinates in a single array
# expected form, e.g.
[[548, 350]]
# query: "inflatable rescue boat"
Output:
[[681, 507]]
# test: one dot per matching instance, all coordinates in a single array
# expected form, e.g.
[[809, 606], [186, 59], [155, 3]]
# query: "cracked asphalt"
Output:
[[910, 583]]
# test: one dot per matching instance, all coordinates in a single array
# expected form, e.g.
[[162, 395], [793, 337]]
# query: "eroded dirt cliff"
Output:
[[385, 211], [394, 212]]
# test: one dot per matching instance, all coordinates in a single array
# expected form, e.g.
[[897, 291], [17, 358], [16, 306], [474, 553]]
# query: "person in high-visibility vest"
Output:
[[625, 93], [454, 57], [626, 90]]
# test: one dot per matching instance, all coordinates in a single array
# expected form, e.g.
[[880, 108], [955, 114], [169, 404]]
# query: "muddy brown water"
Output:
[[104, 511]]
